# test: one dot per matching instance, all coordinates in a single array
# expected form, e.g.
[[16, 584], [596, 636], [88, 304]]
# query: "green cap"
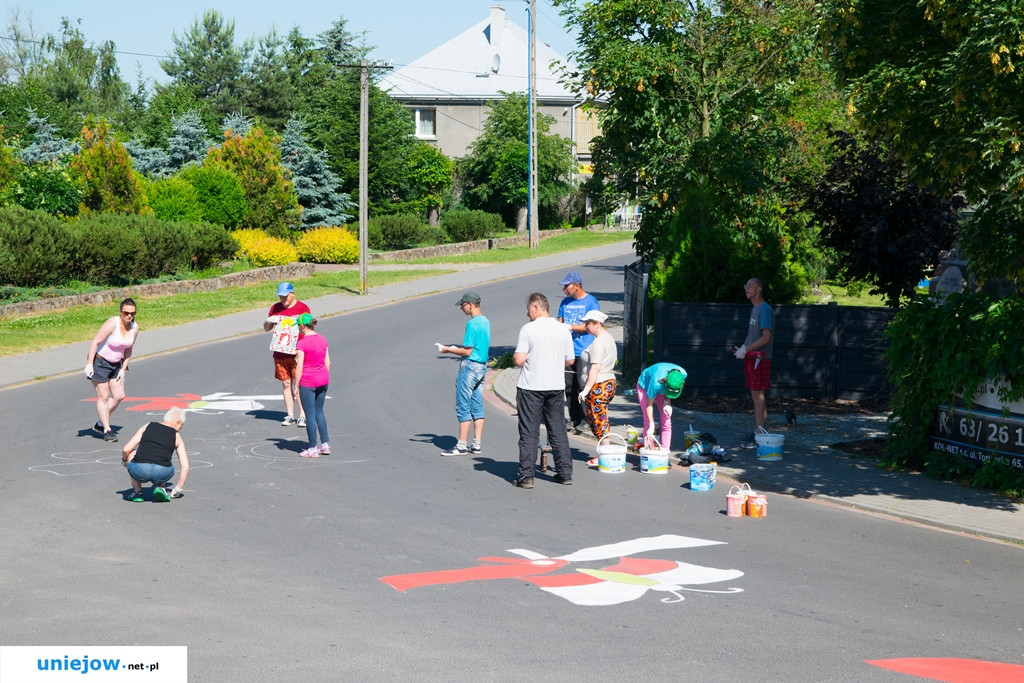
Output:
[[674, 383], [305, 319]]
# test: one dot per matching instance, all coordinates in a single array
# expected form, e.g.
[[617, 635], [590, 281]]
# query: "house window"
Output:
[[425, 123]]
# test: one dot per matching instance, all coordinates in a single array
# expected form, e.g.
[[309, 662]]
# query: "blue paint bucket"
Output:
[[702, 476]]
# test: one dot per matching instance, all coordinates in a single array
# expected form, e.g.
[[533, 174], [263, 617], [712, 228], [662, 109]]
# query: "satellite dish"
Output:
[[495, 63]]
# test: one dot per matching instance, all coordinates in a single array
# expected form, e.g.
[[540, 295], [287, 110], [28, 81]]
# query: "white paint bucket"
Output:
[[611, 457], [769, 446], [654, 460]]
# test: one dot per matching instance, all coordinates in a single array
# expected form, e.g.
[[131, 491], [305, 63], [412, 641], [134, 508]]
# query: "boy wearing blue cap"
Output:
[[283, 320], [574, 306]]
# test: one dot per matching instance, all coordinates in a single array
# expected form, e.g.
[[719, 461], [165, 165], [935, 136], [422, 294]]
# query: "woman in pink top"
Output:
[[107, 361], [312, 375]]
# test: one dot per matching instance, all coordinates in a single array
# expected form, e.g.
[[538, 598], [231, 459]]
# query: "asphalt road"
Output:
[[271, 567]]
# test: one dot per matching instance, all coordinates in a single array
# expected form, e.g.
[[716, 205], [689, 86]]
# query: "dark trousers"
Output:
[[572, 392], [534, 407]]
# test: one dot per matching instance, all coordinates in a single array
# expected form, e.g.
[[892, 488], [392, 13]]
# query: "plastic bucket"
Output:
[[611, 457], [736, 502], [769, 446], [757, 505], [702, 476], [654, 460], [632, 434], [689, 438]]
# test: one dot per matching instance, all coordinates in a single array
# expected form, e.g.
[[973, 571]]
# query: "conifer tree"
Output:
[[316, 185]]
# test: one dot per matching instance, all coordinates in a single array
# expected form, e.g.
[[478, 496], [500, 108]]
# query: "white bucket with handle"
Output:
[[611, 457], [769, 446], [653, 460]]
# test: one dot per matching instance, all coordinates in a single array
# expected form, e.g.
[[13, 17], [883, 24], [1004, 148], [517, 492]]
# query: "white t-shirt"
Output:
[[547, 344], [602, 351]]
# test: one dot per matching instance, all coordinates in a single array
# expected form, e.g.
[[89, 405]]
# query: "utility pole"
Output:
[[364, 136], [364, 146], [531, 210]]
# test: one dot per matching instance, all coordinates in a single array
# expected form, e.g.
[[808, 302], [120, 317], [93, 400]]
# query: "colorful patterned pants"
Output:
[[595, 406]]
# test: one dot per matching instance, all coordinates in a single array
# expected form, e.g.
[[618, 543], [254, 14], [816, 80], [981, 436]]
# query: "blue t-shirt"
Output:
[[761, 318], [650, 379], [478, 336], [570, 311]]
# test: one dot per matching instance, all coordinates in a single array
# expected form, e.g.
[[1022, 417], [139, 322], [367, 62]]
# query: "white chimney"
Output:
[[497, 25]]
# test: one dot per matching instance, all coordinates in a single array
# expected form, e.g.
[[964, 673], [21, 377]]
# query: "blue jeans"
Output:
[[147, 471], [469, 391], [312, 400]]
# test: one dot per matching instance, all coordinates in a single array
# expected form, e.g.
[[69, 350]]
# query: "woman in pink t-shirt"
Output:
[[107, 361], [312, 376]]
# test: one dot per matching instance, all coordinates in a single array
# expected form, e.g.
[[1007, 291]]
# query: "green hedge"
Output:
[[103, 249], [467, 225], [35, 248]]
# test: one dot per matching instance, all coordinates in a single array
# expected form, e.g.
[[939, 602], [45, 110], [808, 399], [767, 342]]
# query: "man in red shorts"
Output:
[[283, 320], [756, 353]]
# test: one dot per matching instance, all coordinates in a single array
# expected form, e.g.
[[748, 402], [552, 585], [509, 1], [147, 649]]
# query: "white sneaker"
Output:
[[301, 422], [288, 421]]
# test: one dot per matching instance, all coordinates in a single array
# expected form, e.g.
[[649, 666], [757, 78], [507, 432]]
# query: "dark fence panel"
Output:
[[634, 321], [820, 351]]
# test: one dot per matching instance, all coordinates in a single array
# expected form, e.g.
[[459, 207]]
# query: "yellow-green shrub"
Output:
[[247, 238], [266, 250], [328, 245]]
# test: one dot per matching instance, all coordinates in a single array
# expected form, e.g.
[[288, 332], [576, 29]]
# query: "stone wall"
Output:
[[273, 273], [463, 247]]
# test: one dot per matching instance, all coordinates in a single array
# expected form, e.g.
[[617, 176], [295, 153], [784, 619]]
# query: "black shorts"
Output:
[[103, 370]]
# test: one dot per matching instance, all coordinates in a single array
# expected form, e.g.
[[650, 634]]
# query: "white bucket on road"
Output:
[[611, 457], [769, 446]]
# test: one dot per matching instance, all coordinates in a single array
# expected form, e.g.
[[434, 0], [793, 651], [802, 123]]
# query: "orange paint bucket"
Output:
[[735, 502], [757, 505]]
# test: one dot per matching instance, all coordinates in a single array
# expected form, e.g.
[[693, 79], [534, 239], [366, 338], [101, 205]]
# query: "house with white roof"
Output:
[[449, 87]]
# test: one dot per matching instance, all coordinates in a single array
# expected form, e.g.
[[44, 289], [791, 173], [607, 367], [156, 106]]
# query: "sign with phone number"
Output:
[[980, 435]]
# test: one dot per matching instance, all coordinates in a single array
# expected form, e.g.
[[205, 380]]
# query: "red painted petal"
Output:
[[953, 670]]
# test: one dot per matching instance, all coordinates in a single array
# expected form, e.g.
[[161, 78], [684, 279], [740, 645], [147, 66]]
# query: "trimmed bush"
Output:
[[263, 250], [399, 231], [174, 199], [220, 194], [210, 244], [328, 245], [107, 251], [34, 247], [466, 225]]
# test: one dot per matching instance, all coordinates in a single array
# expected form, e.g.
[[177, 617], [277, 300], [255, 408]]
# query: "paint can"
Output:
[[736, 502], [690, 438], [757, 505], [632, 434], [769, 446], [702, 476], [653, 460], [611, 457]]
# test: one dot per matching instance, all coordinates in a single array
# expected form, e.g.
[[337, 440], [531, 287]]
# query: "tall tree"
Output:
[[22, 49], [255, 158], [267, 90], [940, 83], [207, 60], [104, 167], [494, 175]]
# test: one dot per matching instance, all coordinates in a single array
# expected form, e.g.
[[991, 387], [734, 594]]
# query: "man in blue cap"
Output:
[[574, 306], [283, 320]]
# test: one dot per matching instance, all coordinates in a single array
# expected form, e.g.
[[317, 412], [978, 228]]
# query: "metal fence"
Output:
[[820, 351], [634, 321]]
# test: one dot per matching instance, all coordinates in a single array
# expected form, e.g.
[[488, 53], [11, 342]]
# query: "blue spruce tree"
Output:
[[315, 183], [46, 145]]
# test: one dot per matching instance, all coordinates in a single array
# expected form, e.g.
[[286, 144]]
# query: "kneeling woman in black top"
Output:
[[147, 455]]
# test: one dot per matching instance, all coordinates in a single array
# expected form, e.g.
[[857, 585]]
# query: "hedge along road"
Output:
[[272, 568]]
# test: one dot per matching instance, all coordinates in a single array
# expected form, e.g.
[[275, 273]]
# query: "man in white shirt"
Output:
[[544, 350]]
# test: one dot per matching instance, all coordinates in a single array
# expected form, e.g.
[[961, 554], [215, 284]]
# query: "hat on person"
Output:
[[573, 278], [284, 289], [468, 298], [595, 315], [674, 383], [306, 319]]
